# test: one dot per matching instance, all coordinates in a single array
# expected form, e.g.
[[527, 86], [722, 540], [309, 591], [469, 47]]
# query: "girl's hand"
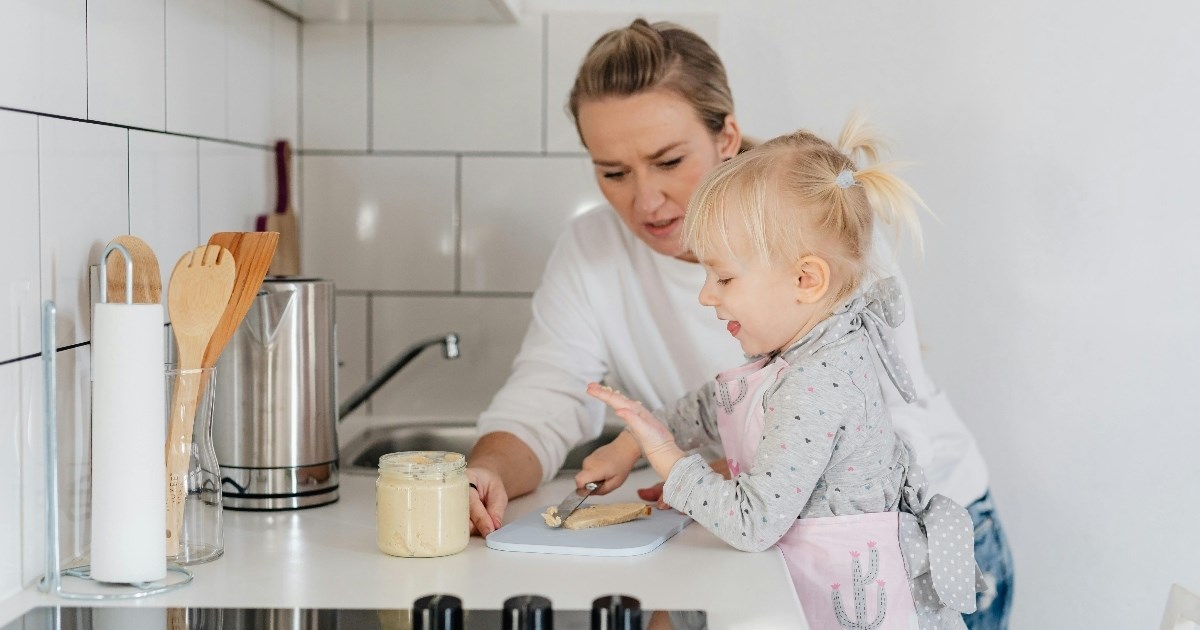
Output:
[[651, 434], [610, 464]]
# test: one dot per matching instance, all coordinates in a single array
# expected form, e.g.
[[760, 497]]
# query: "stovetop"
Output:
[[434, 612]]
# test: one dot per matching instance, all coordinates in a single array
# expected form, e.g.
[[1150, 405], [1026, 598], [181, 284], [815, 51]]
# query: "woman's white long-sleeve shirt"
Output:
[[610, 308]]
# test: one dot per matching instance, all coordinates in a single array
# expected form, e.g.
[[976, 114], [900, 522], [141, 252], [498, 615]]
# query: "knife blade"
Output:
[[573, 501]]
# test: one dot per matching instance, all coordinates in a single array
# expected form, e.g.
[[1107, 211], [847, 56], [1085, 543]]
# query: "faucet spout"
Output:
[[450, 350]]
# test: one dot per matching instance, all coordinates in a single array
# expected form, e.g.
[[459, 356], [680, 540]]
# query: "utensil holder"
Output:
[[201, 537], [52, 580]]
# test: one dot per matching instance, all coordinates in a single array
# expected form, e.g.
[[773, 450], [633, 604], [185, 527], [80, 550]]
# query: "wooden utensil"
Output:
[[147, 281], [252, 253], [196, 300], [283, 220]]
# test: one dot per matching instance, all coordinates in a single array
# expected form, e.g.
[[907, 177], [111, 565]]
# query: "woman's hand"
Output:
[[651, 434], [488, 500], [610, 464]]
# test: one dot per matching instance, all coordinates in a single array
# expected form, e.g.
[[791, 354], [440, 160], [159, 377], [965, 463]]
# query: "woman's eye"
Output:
[[670, 164], [613, 175], [724, 281]]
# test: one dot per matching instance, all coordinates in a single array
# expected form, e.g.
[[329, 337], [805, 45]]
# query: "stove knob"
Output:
[[616, 612], [528, 612], [437, 612]]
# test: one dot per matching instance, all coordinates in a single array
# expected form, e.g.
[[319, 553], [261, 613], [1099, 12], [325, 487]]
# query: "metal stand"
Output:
[[52, 581]]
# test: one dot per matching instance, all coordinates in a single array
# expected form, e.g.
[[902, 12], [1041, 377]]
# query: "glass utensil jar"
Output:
[[421, 504]]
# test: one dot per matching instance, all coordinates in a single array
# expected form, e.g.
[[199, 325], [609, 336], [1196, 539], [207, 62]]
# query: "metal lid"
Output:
[[423, 464]]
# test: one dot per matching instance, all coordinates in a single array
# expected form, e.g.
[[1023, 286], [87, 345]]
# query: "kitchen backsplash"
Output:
[[436, 168], [149, 117]]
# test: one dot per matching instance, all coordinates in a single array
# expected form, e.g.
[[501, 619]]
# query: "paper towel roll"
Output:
[[129, 518]]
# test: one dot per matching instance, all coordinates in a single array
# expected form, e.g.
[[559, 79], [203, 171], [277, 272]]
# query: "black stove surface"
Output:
[[143, 618]]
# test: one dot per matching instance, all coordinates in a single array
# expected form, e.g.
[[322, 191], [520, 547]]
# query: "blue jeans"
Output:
[[995, 560]]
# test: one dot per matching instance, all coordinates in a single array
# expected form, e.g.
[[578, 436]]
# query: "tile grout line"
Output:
[[545, 83], [164, 65], [128, 185], [369, 355], [371, 79], [101, 123], [456, 222]]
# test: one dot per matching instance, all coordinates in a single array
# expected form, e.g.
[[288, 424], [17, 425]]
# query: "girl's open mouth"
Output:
[[733, 327]]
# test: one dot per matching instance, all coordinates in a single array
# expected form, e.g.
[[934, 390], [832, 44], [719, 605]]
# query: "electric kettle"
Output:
[[275, 410]]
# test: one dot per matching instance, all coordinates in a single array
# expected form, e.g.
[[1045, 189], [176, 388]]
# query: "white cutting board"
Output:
[[530, 534]]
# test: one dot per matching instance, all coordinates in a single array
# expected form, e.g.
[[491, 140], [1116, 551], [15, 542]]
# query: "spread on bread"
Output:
[[597, 515]]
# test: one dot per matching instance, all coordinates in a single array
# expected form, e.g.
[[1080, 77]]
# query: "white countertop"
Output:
[[326, 558]]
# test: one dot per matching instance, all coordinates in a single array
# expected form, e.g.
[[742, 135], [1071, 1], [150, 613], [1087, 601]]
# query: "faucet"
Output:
[[449, 343]]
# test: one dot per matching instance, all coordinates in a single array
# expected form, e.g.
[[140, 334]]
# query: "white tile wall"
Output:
[[84, 204], [10, 472], [163, 196], [513, 211], [570, 37], [43, 45], [68, 187], [334, 10], [440, 87], [20, 287], [236, 184], [248, 65], [126, 62], [285, 78], [334, 103], [490, 331], [379, 222], [74, 411], [196, 76], [33, 494], [352, 344]]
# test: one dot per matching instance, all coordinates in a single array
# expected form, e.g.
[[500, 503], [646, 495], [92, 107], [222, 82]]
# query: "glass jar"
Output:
[[422, 504]]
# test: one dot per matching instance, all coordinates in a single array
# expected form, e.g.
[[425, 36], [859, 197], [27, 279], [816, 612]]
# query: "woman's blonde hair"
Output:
[[798, 195], [643, 57]]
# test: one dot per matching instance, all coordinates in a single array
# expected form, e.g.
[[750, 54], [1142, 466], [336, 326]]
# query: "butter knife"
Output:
[[573, 501]]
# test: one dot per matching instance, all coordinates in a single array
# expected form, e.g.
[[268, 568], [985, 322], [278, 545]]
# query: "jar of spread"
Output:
[[421, 504]]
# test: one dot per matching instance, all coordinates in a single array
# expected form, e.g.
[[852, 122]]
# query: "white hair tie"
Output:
[[845, 179]]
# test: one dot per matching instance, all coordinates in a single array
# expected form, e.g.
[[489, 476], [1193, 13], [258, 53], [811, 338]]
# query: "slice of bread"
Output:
[[597, 515]]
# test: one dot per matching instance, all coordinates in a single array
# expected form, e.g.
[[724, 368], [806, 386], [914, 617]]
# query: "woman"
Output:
[[618, 298]]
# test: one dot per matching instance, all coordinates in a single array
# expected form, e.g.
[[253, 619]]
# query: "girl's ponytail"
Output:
[[889, 197]]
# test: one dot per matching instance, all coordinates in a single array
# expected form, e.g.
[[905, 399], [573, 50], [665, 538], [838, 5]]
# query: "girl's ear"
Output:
[[729, 138], [812, 279]]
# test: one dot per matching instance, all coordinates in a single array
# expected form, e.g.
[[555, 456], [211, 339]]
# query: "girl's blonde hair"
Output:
[[798, 195], [643, 57]]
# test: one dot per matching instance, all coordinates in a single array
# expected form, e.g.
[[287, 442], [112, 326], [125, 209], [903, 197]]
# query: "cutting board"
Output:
[[530, 534]]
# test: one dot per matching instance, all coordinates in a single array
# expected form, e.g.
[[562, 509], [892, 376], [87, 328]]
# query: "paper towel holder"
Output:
[[51, 582]]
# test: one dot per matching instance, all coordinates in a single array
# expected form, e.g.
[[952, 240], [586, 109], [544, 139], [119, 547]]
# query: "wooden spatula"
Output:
[[147, 281], [198, 294], [252, 252]]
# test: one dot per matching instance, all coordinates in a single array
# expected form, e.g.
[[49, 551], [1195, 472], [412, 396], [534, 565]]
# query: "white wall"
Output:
[[1057, 298], [148, 117]]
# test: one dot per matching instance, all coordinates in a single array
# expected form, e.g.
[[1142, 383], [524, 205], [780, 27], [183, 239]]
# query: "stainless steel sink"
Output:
[[361, 455]]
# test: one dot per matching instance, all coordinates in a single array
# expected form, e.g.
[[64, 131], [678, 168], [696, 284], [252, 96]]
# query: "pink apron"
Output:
[[848, 571]]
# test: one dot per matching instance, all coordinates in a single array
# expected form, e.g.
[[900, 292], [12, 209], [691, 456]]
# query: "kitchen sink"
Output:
[[361, 455]]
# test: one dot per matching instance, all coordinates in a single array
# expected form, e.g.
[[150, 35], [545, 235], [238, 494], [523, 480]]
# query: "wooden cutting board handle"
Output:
[[287, 254]]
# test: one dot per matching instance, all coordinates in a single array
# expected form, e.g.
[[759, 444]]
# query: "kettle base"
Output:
[[277, 489]]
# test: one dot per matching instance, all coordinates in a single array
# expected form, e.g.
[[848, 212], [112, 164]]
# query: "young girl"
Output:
[[816, 468]]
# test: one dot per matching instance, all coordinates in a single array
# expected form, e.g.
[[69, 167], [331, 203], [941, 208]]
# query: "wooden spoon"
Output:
[[252, 252], [198, 294], [147, 281]]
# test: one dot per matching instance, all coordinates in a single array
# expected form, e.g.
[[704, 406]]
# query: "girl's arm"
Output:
[[804, 422], [692, 419]]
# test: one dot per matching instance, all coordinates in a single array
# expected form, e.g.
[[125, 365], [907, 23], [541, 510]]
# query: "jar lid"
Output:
[[422, 463]]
